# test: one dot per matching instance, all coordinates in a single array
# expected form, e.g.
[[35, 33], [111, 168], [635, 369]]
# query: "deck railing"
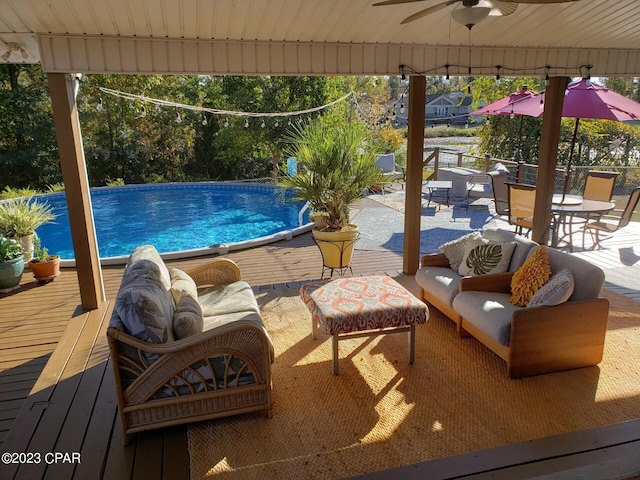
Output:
[[628, 178]]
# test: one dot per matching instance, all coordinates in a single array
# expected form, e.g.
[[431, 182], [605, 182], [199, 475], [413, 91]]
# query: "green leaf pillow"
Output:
[[484, 256]]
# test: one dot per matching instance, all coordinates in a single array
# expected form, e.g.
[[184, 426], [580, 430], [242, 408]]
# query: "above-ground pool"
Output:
[[177, 217]]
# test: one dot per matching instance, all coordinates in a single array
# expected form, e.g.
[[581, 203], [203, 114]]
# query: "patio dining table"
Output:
[[564, 209]]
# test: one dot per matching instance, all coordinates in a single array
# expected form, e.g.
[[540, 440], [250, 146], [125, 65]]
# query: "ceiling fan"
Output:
[[491, 7]]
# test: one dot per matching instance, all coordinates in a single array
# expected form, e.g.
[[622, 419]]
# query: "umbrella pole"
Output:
[[567, 176], [519, 152]]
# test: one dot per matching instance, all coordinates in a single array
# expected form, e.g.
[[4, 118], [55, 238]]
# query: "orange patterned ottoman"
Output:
[[362, 306]]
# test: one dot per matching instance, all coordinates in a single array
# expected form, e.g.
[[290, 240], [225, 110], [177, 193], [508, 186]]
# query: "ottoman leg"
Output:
[[335, 354], [412, 344]]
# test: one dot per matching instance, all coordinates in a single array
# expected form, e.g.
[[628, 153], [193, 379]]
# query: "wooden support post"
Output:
[[460, 154], [415, 151], [547, 158], [487, 162], [76, 183]]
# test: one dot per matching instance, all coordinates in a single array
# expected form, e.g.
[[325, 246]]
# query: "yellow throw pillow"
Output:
[[533, 273]]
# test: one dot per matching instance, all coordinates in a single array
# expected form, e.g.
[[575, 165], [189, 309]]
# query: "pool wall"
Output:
[[221, 249]]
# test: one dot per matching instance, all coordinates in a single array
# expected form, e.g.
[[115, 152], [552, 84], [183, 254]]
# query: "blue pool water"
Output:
[[174, 217]]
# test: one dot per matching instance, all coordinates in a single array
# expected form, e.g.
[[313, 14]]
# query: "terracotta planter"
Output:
[[45, 271], [11, 274]]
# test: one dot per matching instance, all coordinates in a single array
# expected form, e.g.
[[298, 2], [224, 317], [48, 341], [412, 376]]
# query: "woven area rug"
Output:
[[381, 412]]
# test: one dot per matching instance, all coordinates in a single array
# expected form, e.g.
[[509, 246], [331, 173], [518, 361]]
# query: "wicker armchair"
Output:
[[224, 370]]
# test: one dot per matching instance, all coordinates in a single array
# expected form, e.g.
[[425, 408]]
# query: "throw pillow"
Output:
[[556, 291], [455, 249], [483, 257], [144, 305], [181, 283], [533, 273], [187, 318]]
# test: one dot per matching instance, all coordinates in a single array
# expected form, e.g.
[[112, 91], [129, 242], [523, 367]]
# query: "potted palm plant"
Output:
[[45, 267], [19, 218], [11, 264], [335, 171]]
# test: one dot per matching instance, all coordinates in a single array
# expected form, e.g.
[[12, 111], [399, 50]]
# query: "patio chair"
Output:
[[612, 223], [597, 186], [522, 199], [390, 169], [500, 193]]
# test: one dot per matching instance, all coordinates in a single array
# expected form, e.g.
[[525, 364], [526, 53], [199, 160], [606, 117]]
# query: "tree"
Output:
[[28, 149]]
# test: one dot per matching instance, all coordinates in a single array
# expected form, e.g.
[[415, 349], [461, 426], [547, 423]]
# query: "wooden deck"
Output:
[[70, 405]]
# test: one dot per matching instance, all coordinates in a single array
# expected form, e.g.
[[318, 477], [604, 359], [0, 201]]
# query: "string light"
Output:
[[547, 81], [204, 120], [246, 123], [143, 113], [226, 122], [214, 111], [498, 74], [262, 125], [178, 117]]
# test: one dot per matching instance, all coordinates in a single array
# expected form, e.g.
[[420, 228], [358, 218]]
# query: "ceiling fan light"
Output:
[[470, 16]]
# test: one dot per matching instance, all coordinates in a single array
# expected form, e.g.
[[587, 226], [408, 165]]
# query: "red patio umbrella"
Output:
[[586, 99], [523, 102], [514, 104]]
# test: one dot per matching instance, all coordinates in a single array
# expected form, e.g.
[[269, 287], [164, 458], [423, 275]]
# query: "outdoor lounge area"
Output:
[[434, 406], [454, 413]]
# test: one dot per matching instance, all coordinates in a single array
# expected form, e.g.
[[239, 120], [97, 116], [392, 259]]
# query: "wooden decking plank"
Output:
[[96, 442], [91, 370], [26, 423], [6, 396], [149, 452], [619, 461], [175, 466], [120, 458]]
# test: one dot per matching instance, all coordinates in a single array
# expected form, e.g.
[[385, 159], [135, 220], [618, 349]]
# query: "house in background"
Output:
[[440, 109]]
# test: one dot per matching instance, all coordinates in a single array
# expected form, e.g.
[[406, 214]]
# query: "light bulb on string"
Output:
[[178, 117], [289, 122], [204, 120], [226, 122], [143, 112], [277, 123], [547, 81], [299, 119], [99, 105], [246, 123], [262, 125], [512, 115]]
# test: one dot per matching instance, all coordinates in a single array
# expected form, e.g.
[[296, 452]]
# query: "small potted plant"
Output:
[[45, 267], [11, 264], [19, 218]]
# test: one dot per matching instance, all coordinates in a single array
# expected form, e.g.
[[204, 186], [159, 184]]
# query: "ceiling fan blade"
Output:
[[499, 8], [395, 2], [540, 2], [428, 11]]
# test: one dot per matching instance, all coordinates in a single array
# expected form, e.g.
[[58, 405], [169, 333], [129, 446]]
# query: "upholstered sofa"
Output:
[[557, 335], [186, 346]]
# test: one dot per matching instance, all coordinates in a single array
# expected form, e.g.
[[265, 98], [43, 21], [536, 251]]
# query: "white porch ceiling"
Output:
[[321, 37]]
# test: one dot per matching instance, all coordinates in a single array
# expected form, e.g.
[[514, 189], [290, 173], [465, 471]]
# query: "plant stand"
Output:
[[336, 253]]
